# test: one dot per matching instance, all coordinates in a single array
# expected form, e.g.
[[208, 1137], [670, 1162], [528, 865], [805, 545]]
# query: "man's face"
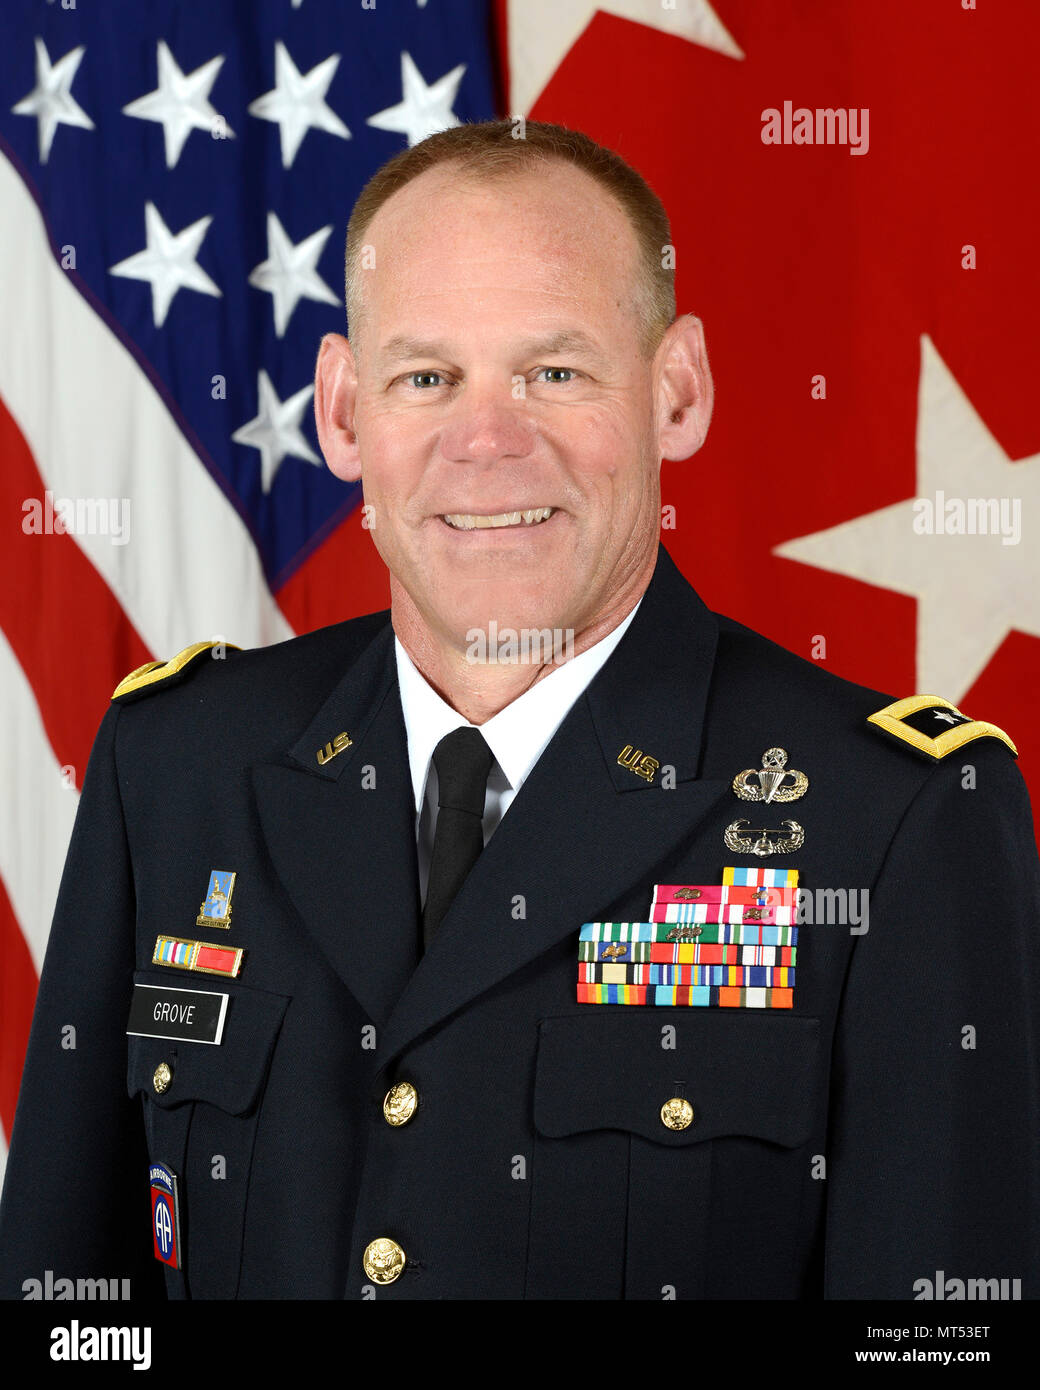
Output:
[[499, 371]]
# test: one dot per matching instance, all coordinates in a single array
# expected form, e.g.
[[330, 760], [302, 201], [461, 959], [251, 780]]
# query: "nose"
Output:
[[488, 422]]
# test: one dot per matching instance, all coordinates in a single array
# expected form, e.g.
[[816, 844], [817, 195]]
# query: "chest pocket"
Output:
[[203, 1125], [622, 1204]]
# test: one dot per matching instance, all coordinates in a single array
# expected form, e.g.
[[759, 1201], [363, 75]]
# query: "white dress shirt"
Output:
[[517, 735]]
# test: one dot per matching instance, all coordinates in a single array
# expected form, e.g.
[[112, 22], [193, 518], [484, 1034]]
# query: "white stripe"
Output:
[[98, 429], [37, 810]]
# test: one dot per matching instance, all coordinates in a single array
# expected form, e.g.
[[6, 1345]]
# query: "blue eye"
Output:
[[559, 375], [421, 380]]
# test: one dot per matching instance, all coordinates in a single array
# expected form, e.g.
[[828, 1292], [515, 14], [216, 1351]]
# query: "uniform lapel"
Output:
[[583, 830], [341, 834]]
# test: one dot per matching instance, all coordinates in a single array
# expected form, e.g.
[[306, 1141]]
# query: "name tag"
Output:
[[185, 1015]]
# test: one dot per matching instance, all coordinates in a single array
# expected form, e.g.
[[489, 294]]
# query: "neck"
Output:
[[479, 690]]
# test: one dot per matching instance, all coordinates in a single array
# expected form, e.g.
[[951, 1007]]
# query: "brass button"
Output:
[[677, 1113], [383, 1261], [399, 1103], [161, 1078]]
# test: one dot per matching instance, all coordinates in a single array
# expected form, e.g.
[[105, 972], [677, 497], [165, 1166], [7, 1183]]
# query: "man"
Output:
[[437, 1055]]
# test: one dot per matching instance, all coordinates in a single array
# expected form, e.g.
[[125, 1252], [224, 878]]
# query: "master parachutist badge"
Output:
[[772, 783]]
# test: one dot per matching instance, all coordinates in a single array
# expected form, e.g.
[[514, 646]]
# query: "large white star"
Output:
[[51, 100], [275, 431], [168, 262], [180, 103], [297, 102], [423, 110], [971, 590], [290, 272], [542, 33]]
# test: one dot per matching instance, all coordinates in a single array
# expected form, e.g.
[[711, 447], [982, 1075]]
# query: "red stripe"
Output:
[[68, 630], [219, 958], [344, 578], [17, 996]]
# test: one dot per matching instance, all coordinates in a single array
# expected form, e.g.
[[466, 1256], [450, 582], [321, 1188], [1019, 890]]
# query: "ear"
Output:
[[335, 394], [683, 389]]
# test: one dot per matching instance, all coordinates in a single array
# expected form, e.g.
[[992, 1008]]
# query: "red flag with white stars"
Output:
[[869, 491]]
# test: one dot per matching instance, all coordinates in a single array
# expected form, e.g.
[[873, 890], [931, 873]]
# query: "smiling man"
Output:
[[507, 399], [674, 969]]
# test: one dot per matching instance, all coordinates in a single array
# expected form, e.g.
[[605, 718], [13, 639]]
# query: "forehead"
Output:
[[550, 233]]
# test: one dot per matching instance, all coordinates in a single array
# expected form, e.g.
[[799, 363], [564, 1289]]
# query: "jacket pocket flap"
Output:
[[230, 1074], [742, 1074]]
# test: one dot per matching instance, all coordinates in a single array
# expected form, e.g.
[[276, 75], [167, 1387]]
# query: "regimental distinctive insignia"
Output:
[[166, 1216], [772, 780], [742, 839], [200, 956], [144, 679], [933, 726], [215, 911], [334, 747], [638, 762]]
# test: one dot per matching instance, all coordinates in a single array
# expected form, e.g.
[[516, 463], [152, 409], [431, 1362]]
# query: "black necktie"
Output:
[[463, 761]]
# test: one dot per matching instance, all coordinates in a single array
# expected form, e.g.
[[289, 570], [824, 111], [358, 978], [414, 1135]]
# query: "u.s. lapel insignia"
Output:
[[742, 839], [334, 747], [181, 954], [215, 911], [642, 764], [933, 726], [772, 779]]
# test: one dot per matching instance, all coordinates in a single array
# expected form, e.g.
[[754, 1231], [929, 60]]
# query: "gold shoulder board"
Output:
[[933, 726], [153, 673]]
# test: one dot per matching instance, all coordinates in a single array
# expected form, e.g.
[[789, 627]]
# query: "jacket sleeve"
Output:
[[75, 1197], [933, 1172]]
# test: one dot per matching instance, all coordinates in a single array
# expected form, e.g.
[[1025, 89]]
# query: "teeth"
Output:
[[468, 521]]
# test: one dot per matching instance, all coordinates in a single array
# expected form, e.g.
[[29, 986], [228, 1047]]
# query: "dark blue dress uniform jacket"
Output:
[[846, 1148]]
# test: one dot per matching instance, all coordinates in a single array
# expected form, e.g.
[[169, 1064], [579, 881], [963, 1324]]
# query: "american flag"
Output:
[[175, 181]]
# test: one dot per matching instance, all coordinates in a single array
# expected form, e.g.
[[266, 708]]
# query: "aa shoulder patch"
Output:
[[933, 726], [154, 673]]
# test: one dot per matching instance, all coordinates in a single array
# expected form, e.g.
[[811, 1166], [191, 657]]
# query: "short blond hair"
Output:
[[496, 149]]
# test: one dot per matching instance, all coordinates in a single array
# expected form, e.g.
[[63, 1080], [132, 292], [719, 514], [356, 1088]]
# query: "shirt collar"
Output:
[[519, 733]]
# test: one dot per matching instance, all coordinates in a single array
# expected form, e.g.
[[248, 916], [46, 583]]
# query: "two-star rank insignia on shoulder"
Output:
[[933, 726], [154, 673]]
